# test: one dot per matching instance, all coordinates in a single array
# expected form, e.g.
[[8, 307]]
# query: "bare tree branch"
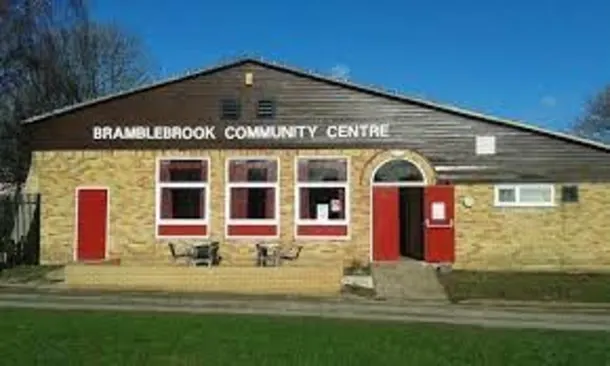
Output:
[[595, 123], [52, 54]]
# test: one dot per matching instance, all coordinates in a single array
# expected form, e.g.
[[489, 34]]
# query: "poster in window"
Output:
[[322, 212], [335, 205], [438, 211]]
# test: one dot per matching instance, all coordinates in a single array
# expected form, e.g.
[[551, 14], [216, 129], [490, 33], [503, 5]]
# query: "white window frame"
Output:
[[517, 188], [297, 199], [252, 222], [158, 199]]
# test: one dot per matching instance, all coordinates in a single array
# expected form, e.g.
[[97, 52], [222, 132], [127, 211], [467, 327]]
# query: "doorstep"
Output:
[[358, 281]]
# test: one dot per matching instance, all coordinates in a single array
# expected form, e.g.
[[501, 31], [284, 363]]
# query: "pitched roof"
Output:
[[327, 79]]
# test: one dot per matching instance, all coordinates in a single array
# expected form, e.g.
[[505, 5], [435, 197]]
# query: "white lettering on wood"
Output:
[[241, 132]]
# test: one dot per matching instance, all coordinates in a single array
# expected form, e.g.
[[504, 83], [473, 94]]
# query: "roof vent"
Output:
[[265, 109], [229, 109]]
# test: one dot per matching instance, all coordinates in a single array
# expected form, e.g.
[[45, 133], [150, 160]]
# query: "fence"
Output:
[[19, 229]]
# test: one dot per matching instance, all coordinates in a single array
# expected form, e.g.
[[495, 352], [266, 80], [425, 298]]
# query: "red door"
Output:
[[91, 224], [439, 224], [385, 224]]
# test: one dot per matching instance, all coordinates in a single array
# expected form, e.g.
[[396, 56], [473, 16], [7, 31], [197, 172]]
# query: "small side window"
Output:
[[569, 193], [525, 195]]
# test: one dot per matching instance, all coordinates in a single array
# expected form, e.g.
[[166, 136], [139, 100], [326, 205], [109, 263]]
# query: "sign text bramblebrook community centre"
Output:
[[242, 132]]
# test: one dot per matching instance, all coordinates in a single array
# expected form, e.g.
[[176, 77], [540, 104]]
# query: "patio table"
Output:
[[271, 251], [202, 252]]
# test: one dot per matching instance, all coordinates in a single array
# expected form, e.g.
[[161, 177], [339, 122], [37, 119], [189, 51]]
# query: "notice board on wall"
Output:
[[438, 211], [322, 211], [335, 205]]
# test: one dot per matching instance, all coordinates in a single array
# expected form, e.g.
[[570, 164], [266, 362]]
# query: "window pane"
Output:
[[252, 203], [183, 171], [569, 193], [322, 203], [535, 194], [398, 171], [507, 195], [322, 170], [252, 171], [183, 203]]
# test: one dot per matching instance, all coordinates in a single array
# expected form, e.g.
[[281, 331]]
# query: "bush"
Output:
[[358, 268]]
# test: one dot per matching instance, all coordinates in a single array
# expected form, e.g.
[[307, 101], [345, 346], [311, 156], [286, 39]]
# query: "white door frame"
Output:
[[373, 184]]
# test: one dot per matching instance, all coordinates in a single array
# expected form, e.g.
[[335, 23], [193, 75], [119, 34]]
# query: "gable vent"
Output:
[[265, 109], [229, 109]]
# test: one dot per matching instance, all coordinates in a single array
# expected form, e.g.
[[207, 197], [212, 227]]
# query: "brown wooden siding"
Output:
[[446, 139]]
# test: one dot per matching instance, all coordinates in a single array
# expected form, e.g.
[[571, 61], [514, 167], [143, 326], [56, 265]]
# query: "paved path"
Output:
[[406, 312], [407, 279]]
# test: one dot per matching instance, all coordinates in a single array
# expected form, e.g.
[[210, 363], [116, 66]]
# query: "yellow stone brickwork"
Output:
[[130, 177], [568, 236], [31, 183], [304, 281]]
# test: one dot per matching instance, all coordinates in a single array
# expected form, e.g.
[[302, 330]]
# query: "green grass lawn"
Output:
[[32, 337], [543, 286]]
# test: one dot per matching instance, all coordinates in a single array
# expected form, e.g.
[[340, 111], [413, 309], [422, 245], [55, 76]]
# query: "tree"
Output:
[[595, 123], [53, 54]]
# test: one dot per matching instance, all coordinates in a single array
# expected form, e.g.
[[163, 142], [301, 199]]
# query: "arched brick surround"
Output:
[[386, 155]]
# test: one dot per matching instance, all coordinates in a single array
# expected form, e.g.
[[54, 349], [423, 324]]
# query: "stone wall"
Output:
[[130, 177], [304, 281], [568, 236]]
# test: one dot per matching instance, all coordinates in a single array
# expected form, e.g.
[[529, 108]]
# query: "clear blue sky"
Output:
[[530, 60]]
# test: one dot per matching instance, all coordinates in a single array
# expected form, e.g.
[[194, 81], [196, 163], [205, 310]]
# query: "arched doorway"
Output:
[[410, 216], [397, 191]]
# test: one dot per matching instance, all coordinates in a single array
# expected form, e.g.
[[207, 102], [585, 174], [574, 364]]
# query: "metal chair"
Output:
[[175, 254], [289, 255]]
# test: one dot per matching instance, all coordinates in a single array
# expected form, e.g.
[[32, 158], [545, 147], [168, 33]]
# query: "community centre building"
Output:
[[251, 150]]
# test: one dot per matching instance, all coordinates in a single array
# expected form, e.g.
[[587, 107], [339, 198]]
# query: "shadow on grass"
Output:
[[28, 274], [526, 286], [363, 292]]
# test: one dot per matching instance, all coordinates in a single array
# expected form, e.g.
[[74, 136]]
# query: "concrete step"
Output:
[[407, 280]]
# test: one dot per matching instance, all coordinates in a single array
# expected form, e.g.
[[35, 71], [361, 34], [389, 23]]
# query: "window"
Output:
[[322, 197], [229, 109], [529, 195], [182, 197], [485, 145], [398, 171], [265, 109], [569, 193], [252, 207]]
